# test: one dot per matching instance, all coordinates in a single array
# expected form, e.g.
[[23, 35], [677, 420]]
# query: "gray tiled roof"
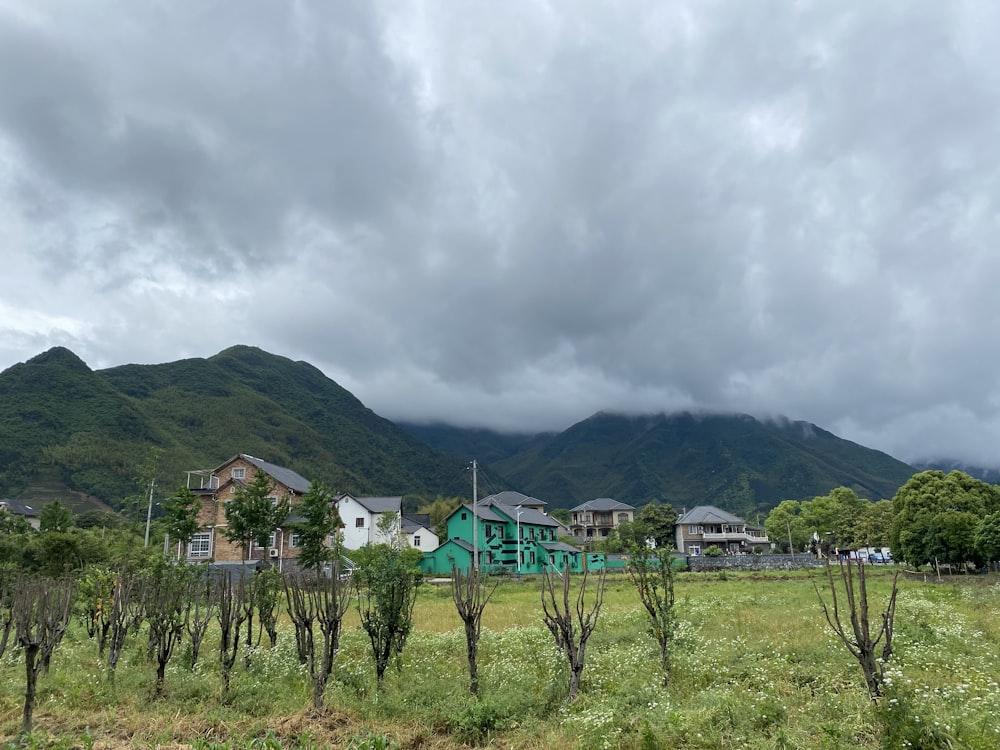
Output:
[[18, 509], [287, 477], [709, 514], [381, 504], [528, 515], [511, 498], [602, 503], [559, 547], [413, 522]]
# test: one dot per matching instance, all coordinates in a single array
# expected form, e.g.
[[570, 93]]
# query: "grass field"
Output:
[[755, 667]]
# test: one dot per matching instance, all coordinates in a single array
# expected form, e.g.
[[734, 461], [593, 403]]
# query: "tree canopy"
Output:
[[254, 513], [938, 517]]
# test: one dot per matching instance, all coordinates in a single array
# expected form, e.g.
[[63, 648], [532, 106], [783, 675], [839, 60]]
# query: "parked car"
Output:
[[877, 558]]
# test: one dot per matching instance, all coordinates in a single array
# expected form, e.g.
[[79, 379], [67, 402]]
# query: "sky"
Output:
[[514, 215]]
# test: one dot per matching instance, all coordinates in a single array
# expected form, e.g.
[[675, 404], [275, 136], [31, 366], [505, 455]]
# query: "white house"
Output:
[[361, 517], [419, 535]]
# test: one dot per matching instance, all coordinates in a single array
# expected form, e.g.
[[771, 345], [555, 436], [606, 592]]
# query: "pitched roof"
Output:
[[292, 480], [18, 509], [381, 504], [559, 547], [413, 522], [709, 514], [511, 498], [528, 515], [602, 503]]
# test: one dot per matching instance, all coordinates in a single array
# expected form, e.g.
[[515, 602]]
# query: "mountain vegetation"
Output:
[[736, 462], [70, 432], [109, 433]]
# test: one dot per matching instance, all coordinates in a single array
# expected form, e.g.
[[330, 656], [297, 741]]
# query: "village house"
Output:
[[218, 486], [594, 520], [510, 533], [705, 525]]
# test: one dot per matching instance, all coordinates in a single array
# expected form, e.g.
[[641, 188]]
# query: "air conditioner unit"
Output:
[[272, 552]]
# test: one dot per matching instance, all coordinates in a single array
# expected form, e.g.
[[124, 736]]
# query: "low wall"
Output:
[[753, 562]]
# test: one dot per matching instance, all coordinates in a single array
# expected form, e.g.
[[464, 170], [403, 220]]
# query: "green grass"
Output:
[[755, 667]]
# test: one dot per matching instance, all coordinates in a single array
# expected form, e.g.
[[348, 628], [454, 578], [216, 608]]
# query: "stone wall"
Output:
[[753, 562]]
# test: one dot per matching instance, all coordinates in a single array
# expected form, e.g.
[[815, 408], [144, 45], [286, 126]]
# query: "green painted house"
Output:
[[512, 533]]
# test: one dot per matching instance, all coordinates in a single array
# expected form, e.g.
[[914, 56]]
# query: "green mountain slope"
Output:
[[733, 461], [102, 430]]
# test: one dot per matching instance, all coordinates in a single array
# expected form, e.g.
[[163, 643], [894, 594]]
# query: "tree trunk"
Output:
[[30, 683], [472, 650]]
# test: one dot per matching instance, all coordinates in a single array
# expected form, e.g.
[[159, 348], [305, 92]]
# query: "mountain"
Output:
[[106, 433], [736, 462], [981, 473]]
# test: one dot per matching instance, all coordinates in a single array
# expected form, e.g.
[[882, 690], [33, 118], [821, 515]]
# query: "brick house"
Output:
[[217, 486]]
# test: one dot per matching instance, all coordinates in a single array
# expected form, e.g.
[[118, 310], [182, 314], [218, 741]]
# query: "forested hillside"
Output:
[[107, 433]]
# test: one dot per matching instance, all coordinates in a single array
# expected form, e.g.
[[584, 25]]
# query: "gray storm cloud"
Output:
[[515, 216]]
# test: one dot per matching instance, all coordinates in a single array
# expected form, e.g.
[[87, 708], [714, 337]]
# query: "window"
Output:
[[532, 530], [532, 557], [694, 549], [464, 516], [692, 530], [499, 532], [416, 540], [294, 540], [622, 517], [239, 472], [489, 529], [359, 522], [200, 545], [232, 489]]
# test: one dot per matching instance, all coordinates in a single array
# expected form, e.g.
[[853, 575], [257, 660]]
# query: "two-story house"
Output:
[[595, 519], [218, 486], [706, 525], [509, 532], [369, 520]]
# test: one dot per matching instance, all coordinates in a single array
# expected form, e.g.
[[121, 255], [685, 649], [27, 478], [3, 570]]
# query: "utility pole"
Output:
[[149, 510], [475, 517]]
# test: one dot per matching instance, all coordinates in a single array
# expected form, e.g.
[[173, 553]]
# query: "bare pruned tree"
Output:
[[651, 573], [862, 641], [571, 624], [232, 612], [471, 593], [42, 610], [203, 603], [8, 585], [323, 600], [95, 590]]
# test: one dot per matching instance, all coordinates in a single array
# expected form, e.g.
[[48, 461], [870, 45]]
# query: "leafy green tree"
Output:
[[988, 537], [439, 510], [55, 516], [835, 515], [181, 515], [656, 521], [386, 579], [872, 529], [785, 522], [562, 515], [937, 516], [320, 521], [11, 523], [254, 513]]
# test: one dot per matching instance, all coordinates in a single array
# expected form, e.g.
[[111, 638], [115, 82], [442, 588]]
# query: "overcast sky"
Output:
[[516, 214]]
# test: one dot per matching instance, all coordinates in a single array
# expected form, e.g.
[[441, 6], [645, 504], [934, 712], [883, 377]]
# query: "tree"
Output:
[[571, 624], [862, 642], [42, 610], [232, 613], [254, 513], [324, 600], [785, 523], [127, 604], [439, 510], [872, 529], [471, 593], [386, 580], [988, 537], [181, 515], [936, 517], [835, 515], [320, 521], [652, 574], [55, 516], [167, 607], [656, 521]]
